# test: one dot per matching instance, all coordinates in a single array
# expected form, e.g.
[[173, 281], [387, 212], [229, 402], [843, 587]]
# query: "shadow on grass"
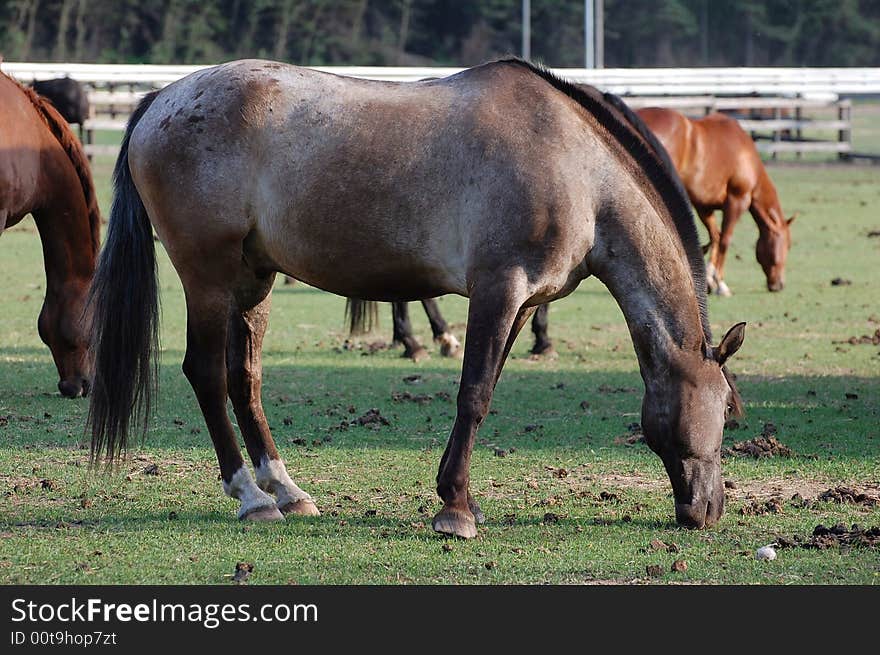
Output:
[[585, 522], [386, 526], [316, 407]]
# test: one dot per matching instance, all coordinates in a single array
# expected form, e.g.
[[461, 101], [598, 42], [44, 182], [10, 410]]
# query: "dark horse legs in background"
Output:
[[363, 315], [449, 346], [543, 346], [403, 332]]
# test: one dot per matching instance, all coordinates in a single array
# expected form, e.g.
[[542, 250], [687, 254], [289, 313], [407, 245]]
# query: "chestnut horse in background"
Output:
[[44, 172], [720, 167]]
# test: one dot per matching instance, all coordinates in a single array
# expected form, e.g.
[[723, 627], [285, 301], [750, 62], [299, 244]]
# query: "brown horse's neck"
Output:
[[765, 207], [78, 160], [643, 264]]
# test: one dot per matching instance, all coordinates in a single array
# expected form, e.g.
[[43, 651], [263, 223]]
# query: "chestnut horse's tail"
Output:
[[124, 300], [362, 315]]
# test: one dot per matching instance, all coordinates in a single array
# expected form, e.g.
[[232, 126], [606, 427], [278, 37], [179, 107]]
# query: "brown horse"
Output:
[[44, 172], [502, 183], [721, 169]]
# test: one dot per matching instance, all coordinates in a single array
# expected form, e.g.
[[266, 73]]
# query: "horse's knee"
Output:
[[472, 407], [199, 372]]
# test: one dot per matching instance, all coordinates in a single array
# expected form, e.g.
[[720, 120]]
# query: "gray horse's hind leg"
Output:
[[205, 367], [244, 346], [495, 317]]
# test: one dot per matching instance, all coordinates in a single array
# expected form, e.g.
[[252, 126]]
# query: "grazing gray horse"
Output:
[[502, 183]]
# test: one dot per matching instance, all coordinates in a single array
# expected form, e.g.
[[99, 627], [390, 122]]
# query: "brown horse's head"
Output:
[[683, 421], [771, 250], [61, 327]]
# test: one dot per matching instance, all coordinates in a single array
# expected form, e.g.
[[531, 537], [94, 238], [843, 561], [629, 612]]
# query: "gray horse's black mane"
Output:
[[632, 133]]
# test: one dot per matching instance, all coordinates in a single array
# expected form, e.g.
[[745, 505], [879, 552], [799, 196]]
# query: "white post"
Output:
[[526, 30], [589, 35]]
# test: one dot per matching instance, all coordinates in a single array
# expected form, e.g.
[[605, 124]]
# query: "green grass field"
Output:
[[570, 502]]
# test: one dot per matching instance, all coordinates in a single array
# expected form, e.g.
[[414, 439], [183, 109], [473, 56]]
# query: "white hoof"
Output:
[[449, 345]]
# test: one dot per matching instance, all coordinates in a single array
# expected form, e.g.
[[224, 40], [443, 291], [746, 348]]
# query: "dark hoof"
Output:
[[544, 352], [479, 517], [304, 507], [417, 355], [263, 514], [455, 523]]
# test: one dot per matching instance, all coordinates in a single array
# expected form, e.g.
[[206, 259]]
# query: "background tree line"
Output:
[[441, 32]]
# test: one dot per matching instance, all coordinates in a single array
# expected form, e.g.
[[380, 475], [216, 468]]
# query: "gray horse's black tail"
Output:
[[124, 306], [362, 315]]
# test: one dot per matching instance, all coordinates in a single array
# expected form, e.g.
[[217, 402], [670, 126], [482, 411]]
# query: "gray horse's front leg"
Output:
[[495, 317]]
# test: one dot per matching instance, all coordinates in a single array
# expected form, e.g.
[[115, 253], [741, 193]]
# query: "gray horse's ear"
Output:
[[730, 343]]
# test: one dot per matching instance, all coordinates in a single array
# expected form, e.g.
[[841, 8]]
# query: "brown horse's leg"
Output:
[[449, 345], [208, 309], [244, 346], [734, 206], [69, 259], [495, 317], [707, 216], [403, 333]]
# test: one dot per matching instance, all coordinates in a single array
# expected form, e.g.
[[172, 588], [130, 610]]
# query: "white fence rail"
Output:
[[804, 82], [115, 88]]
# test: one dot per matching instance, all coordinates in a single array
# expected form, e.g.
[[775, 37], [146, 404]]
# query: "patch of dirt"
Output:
[[558, 472], [847, 495], [632, 481], [635, 435], [802, 493], [406, 396], [760, 508], [654, 570], [840, 282], [837, 536], [604, 388], [777, 488], [367, 348], [766, 445], [657, 544], [243, 571], [550, 518], [372, 419], [864, 340]]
